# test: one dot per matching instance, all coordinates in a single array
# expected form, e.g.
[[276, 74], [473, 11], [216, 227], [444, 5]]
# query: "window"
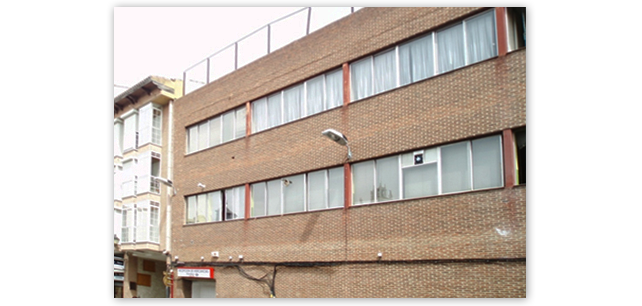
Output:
[[416, 60], [481, 40], [303, 192], [235, 203], [520, 144], [292, 103], [140, 222], [363, 182], [450, 48], [307, 98], [130, 128], [259, 115], [118, 137], [334, 89], [128, 224], [315, 95], [147, 168], [317, 186], [487, 163], [226, 127], [516, 21], [376, 180], [385, 71], [293, 194], [455, 167], [205, 207], [458, 167], [149, 124], [128, 178], [157, 126], [361, 78], [274, 110], [387, 172], [455, 46]]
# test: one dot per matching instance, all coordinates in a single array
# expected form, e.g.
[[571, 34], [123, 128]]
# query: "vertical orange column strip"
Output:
[[247, 201], [346, 84], [347, 186], [502, 35], [509, 158]]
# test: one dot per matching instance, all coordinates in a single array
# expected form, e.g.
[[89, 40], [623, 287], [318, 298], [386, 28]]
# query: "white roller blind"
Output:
[[259, 115], [450, 48], [215, 131], [385, 71], [481, 40], [334, 89], [361, 79], [292, 103], [315, 95]]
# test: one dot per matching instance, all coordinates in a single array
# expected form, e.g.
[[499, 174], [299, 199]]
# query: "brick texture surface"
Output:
[[481, 99]]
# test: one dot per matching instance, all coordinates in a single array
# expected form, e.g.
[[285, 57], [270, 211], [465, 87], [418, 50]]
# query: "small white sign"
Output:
[[196, 272]]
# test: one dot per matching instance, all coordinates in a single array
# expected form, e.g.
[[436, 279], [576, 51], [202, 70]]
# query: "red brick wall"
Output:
[[480, 99]]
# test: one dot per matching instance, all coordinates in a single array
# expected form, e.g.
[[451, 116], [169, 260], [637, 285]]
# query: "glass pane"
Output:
[[259, 115], [388, 179], [235, 203], [487, 162], [228, 126], [385, 71], [293, 194], [203, 136], [450, 48], [201, 207], [336, 191], [317, 190], [192, 139], [361, 79], [241, 122], [334, 89], [274, 197], [363, 182], [191, 210], [416, 60], [420, 181], [258, 200], [274, 110], [292, 103], [480, 37], [455, 167], [314, 95], [214, 206], [215, 131]]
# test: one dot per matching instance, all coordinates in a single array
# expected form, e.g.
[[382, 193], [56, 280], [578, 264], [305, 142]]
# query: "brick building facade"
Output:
[[428, 232]]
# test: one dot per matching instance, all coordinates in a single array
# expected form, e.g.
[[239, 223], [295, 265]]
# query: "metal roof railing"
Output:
[[259, 43]]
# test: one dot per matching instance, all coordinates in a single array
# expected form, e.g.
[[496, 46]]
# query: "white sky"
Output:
[[165, 41]]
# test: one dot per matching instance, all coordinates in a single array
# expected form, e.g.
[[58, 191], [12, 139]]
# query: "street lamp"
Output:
[[338, 138]]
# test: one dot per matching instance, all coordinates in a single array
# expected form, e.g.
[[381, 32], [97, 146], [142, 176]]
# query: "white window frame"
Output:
[[207, 129]]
